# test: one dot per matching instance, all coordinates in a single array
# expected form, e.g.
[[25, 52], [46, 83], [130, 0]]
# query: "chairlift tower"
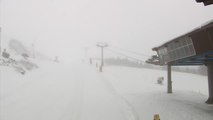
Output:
[[102, 45]]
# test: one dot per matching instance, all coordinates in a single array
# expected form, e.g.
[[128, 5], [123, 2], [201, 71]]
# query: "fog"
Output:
[[65, 28], [50, 66]]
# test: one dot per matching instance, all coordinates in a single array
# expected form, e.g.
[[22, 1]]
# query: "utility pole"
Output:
[[102, 45]]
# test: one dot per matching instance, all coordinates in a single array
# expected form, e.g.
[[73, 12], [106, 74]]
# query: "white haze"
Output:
[[66, 28]]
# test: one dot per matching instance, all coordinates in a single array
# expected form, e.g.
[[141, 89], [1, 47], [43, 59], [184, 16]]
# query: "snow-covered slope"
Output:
[[18, 48], [139, 88], [77, 91], [132, 80]]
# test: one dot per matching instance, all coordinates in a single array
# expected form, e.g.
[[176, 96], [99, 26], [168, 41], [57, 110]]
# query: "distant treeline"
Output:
[[201, 70]]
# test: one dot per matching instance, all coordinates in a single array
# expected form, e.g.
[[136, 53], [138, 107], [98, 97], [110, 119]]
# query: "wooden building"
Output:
[[205, 2], [192, 48]]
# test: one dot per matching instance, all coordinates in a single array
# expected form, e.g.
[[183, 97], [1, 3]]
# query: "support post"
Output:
[[210, 82], [102, 45], [102, 56], [169, 78], [0, 43]]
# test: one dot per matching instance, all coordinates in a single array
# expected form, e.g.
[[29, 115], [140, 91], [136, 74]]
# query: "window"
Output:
[[181, 48]]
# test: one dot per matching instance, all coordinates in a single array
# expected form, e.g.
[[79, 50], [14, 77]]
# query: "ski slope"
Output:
[[139, 88], [78, 91]]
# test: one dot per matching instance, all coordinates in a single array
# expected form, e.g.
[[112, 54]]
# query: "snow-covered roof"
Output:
[[205, 2], [201, 27]]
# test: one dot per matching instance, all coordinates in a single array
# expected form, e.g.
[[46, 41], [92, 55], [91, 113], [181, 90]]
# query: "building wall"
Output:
[[210, 30], [202, 41]]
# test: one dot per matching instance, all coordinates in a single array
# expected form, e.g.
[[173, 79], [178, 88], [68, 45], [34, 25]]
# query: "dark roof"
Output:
[[202, 27], [205, 2]]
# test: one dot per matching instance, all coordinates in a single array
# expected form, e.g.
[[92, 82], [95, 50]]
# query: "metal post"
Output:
[[0, 42], [102, 56], [210, 82], [169, 77], [102, 45]]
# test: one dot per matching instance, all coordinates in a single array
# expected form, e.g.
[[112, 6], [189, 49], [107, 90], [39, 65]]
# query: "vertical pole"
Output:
[[169, 77], [102, 56], [102, 45], [0, 42], [210, 82]]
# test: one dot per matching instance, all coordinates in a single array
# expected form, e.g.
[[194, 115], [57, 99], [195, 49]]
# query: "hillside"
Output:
[[20, 58]]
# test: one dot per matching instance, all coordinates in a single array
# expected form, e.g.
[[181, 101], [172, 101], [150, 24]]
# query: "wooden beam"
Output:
[[210, 82], [169, 78]]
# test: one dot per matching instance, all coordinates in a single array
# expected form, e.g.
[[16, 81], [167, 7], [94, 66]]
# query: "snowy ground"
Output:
[[79, 92], [139, 88]]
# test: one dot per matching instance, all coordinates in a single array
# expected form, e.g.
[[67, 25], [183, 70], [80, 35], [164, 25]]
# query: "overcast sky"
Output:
[[66, 27]]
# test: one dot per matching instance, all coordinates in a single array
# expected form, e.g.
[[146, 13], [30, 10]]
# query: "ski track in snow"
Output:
[[80, 92], [99, 103], [125, 106]]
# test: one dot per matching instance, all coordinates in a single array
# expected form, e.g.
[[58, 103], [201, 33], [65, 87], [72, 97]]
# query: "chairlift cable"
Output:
[[123, 54], [133, 52]]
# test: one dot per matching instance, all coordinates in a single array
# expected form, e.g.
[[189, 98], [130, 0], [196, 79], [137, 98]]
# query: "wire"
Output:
[[124, 54], [137, 53]]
